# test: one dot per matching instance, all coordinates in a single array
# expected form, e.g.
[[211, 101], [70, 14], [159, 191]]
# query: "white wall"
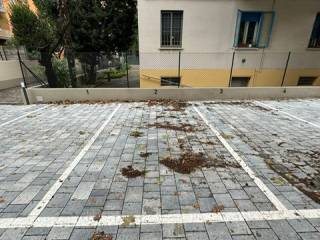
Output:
[[209, 27]]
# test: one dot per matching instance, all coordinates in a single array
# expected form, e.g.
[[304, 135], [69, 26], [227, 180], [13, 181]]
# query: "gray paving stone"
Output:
[[264, 234], [197, 235], [301, 225], [13, 234], [173, 230], [283, 230], [34, 238], [82, 233], [134, 194], [169, 202], [218, 231], [59, 233], [37, 231], [238, 228], [128, 234], [151, 236], [310, 235], [243, 237], [83, 191]]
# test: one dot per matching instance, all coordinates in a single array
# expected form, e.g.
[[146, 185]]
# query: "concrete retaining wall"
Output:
[[10, 74], [38, 95]]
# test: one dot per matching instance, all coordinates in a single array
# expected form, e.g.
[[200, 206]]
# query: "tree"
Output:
[[64, 8], [101, 27], [37, 32]]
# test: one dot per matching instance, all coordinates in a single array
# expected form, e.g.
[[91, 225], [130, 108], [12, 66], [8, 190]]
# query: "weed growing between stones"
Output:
[[130, 172], [101, 236], [136, 134]]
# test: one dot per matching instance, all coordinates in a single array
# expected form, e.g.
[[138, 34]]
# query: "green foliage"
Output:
[[48, 9], [37, 32], [60, 67], [103, 26], [29, 29], [85, 27], [12, 42], [38, 70], [113, 74]]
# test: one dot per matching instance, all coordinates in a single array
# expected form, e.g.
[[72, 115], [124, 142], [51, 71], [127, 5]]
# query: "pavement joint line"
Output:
[[269, 194], [22, 116], [54, 188], [222, 217], [286, 113]]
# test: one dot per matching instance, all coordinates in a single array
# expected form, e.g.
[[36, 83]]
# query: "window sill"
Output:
[[247, 48], [313, 49], [170, 48]]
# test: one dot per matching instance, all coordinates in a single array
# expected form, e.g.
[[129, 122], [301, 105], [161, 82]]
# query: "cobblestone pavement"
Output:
[[61, 171]]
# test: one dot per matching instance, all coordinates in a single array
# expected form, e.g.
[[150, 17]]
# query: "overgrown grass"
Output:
[[113, 74]]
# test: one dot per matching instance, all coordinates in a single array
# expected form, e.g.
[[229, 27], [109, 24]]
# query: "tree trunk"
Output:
[[46, 61], [71, 67], [92, 62], [92, 73]]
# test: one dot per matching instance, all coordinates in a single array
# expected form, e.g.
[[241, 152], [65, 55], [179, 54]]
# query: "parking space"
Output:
[[9, 113], [160, 170]]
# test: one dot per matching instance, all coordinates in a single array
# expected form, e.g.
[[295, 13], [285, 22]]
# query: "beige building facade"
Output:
[[220, 43]]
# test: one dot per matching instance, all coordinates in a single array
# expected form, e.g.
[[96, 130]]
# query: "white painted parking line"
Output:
[[43, 203], [274, 200], [88, 221], [22, 116], [286, 113]]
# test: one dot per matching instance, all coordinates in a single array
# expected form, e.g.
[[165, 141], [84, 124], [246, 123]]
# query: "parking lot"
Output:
[[161, 170]]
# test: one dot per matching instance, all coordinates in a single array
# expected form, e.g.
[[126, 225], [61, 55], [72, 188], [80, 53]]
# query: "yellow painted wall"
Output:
[[150, 78]]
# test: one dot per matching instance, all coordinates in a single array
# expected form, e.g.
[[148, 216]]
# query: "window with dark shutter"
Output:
[[171, 28]]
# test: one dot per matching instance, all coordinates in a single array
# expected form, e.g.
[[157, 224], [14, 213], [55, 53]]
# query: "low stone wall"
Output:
[[43, 95]]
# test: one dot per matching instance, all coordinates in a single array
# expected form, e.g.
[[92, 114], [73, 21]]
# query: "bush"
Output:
[[61, 69], [113, 74], [39, 71]]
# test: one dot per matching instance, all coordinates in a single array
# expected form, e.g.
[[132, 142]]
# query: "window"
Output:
[[171, 28], [170, 81], [240, 81], [306, 81], [253, 29], [315, 36]]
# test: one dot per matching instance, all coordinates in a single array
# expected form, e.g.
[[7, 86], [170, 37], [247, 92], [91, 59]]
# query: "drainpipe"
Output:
[[231, 70], [286, 69], [179, 69]]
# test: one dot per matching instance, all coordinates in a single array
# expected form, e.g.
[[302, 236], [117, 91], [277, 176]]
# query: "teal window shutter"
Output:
[[253, 29], [236, 37]]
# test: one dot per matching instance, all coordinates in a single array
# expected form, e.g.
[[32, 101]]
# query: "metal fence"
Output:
[[91, 70], [11, 53], [180, 69]]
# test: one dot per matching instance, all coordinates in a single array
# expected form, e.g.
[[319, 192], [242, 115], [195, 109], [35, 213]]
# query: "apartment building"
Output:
[[237, 43]]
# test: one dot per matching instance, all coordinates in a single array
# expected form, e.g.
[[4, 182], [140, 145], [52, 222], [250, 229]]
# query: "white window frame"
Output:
[[171, 45]]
